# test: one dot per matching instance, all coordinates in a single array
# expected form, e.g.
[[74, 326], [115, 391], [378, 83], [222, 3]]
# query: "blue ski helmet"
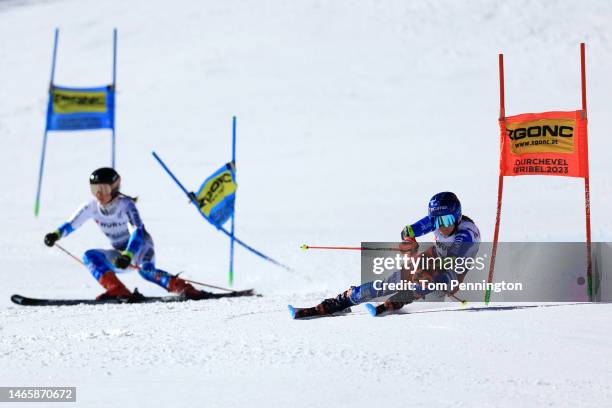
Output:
[[444, 209]]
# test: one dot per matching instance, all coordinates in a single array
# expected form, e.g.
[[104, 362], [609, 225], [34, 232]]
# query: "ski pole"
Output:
[[305, 247], [350, 248], [458, 299], [208, 285], [64, 250]]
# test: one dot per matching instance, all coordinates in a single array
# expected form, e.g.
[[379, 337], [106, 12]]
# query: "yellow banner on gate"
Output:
[[215, 189], [65, 102], [542, 136], [546, 143]]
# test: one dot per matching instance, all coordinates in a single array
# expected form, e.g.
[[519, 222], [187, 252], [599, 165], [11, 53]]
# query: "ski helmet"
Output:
[[444, 209], [105, 180]]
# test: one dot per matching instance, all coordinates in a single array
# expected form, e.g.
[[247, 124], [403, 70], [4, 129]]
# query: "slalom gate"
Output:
[[215, 201], [547, 143]]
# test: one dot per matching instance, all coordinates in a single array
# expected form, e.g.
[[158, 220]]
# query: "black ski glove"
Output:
[[51, 238], [123, 260]]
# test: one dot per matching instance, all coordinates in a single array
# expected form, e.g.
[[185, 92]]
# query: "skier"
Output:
[[456, 235], [113, 211]]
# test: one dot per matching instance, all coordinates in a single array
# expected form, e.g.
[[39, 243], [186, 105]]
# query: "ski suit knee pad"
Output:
[[149, 272], [97, 263], [366, 292], [363, 293]]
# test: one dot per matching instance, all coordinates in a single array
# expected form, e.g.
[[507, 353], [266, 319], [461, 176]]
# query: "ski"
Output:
[[473, 309], [27, 301], [312, 312]]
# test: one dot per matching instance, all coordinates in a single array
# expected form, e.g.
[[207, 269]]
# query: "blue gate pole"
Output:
[[44, 145], [114, 94], [220, 228], [231, 262]]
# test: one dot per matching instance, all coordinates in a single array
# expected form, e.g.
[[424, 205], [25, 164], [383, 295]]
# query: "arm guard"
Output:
[[419, 228], [138, 235], [135, 242]]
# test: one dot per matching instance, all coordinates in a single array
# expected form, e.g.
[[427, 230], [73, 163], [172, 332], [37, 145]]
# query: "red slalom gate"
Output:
[[567, 152]]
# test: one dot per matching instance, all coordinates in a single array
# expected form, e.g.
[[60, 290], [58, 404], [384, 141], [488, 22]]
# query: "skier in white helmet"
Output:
[[118, 218]]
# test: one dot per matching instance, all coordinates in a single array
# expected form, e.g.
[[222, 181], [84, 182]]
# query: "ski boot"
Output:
[[395, 302], [183, 288], [328, 306], [115, 289], [334, 305]]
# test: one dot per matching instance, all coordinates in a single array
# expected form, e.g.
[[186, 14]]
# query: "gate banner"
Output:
[[548, 143], [217, 195], [80, 108]]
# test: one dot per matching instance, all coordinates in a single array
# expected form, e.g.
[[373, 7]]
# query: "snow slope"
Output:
[[247, 353], [351, 114]]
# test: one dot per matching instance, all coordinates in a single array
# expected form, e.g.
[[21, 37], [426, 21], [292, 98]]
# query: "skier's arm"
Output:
[[82, 214], [463, 245], [419, 228], [138, 234]]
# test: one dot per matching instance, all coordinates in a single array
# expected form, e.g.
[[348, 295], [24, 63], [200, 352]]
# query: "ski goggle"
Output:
[[104, 189], [444, 220]]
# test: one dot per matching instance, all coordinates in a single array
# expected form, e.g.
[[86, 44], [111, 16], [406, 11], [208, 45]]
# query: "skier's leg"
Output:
[[145, 259], [400, 299], [184, 288], [149, 272], [356, 295], [367, 291], [396, 301], [171, 283], [440, 277], [99, 263]]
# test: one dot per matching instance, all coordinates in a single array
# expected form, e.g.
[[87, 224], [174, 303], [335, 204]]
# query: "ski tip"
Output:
[[17, 299], [291, 310], [304, 247], [371, 308]]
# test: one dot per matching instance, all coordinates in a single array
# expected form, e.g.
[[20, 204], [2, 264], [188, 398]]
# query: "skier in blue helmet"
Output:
[[443, 217], [456, 235], [444, 210]]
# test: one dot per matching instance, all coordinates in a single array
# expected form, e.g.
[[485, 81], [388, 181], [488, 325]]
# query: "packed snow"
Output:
[[351, 114]]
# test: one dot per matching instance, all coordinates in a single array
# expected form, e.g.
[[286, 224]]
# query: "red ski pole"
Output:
[[350, 248]]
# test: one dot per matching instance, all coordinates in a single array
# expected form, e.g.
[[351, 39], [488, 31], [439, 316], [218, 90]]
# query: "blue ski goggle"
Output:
[[444, 220]]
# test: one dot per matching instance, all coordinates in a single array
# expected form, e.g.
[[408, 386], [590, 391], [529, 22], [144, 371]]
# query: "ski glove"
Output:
[[51, 238], [407, 233], [123, 260], [409, 245]]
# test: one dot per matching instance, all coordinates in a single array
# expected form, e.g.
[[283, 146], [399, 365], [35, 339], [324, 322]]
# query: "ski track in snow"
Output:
[[351, 114]]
